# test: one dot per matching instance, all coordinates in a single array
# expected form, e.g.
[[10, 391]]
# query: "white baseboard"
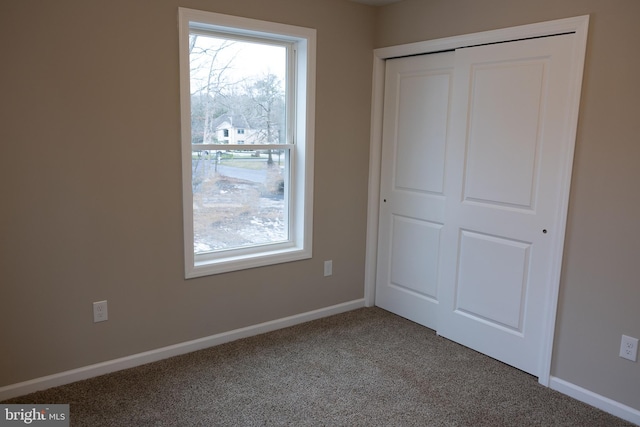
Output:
[[608, 405], [90, 371]]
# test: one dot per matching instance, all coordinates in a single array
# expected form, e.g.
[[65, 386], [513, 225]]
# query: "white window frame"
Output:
[[302, 133]]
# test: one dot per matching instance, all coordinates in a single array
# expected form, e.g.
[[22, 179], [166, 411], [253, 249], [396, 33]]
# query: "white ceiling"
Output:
[[376, 2]]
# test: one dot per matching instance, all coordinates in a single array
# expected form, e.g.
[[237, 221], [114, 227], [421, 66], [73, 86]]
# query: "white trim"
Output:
[[579, 54], [375, 166], [540, 29], [590, 398], [578, 25], [134, 360]]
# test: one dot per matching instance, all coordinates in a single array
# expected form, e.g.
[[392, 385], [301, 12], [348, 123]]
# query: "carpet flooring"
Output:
[[367, 367]]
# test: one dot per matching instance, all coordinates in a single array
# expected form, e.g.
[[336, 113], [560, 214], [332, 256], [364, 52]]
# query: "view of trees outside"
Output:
[[238, 98]]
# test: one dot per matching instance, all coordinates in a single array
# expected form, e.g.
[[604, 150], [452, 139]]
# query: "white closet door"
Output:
[[416, 111], [506, 155]]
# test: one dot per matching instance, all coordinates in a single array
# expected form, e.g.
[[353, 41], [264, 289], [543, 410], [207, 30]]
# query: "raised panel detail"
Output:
[[414, 257], [504, 127], [492, 279], [422, 131]]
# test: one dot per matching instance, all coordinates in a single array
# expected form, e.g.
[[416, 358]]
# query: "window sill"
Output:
[[208, 267]]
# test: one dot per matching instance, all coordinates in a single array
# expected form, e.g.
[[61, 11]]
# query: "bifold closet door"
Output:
[[474, 150], [416, 111], [507, 154]]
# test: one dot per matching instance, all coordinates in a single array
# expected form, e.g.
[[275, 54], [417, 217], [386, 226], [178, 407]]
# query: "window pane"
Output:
[[239, 199], [238, 87], [238, 97]]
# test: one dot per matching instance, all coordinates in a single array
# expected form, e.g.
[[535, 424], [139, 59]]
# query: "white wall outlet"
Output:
[[100, 313], [328, 268], [629, 348]]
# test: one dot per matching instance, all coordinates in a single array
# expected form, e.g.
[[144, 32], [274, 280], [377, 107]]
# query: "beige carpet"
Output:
[[363, 368]]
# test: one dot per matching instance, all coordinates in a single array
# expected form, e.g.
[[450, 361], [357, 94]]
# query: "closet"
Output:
[[476, 154]]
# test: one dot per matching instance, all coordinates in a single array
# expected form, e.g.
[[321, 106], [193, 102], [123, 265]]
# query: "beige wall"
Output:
[[90, 181], [91, 197], [600, 287]]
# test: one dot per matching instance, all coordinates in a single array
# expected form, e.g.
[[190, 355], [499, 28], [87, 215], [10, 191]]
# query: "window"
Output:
[[246, 203]]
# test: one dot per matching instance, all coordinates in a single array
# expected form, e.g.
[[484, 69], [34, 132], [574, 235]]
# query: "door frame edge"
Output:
[[375, 166], [578, 25]]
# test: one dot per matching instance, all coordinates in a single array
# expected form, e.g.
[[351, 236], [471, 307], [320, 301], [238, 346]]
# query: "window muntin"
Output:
[[246, 202]]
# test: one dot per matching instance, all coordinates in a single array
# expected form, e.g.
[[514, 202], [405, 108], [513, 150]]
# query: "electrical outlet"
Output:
[[100, 313], [629, 348], [328, 268]]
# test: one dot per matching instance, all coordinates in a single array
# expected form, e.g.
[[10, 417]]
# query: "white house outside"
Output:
[[235, 130]]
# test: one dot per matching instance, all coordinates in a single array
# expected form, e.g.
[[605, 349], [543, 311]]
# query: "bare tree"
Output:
[[267, 99], [210, 73]]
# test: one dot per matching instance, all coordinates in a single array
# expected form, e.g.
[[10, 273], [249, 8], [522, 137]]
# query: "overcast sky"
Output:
[[248, 60]]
